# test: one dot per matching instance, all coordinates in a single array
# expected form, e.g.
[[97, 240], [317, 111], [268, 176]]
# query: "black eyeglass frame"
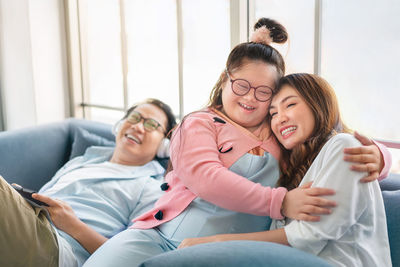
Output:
[[249, 88], [144, 122]]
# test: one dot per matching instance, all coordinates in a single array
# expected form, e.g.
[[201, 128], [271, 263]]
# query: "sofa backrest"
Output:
[[31, 156], [391, 197]]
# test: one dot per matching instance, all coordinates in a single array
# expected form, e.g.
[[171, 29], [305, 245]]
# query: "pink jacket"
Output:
[[202, 150]]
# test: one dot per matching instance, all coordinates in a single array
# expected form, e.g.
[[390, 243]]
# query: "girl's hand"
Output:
[[188, 242], [303, 203], [61, 213], [367, 158]]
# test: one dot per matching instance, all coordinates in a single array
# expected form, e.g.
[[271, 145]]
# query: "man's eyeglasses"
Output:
[[148, 124], [241, 87]]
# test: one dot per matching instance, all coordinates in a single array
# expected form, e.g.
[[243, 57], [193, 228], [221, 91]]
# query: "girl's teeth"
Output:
[[246, 107]]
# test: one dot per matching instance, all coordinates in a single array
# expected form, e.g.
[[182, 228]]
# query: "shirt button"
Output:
[[159, 215], [164, 187]]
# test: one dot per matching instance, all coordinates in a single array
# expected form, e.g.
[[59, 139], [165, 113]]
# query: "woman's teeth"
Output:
[[288, 130]]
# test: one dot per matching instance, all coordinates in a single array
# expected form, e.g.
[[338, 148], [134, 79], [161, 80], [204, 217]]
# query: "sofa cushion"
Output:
[[391, 183], [392, 207], [30, 156], [236, 253], [83, 139]]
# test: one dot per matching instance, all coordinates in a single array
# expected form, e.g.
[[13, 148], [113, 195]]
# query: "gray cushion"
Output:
[[83, 139]]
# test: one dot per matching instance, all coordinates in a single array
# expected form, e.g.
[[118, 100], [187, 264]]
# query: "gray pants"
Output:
[[26, 236]]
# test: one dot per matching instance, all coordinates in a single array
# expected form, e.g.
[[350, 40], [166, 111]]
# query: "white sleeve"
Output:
[[331, 171]]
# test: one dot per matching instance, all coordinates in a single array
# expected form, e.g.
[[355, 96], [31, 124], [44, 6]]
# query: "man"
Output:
[[91, 198]]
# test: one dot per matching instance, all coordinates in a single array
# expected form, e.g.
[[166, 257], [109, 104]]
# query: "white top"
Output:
[[355, 234]]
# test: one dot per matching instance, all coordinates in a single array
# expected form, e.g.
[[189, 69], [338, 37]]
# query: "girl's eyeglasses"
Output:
[[241, 87]]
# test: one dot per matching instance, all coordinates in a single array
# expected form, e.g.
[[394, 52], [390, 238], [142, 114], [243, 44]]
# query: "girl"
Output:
[[224, 163], [304, 117]]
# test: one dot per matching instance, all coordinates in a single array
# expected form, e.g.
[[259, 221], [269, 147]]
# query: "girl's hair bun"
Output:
[[277, 33]]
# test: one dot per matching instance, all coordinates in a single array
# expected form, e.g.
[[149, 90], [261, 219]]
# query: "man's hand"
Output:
[[65, 219], [61, 213]]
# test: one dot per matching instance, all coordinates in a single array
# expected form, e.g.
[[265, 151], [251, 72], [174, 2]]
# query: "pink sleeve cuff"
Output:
[[387, 157], [276, 203]]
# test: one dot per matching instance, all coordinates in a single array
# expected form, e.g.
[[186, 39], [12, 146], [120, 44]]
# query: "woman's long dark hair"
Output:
[[321, 99]]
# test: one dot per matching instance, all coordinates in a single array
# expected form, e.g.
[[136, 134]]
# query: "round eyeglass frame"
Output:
[[249, 88]]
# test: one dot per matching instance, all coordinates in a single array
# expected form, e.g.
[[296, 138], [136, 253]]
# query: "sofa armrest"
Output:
[[391, 183], [30, 156]]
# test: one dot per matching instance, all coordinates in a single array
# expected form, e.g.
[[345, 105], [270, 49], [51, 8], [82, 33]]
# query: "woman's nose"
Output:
[[282, 117]]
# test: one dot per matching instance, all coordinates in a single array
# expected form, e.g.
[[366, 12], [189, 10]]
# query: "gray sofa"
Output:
[[31, 156]]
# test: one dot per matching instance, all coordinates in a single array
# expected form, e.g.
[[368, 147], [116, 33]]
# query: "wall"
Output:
[[33, 62]]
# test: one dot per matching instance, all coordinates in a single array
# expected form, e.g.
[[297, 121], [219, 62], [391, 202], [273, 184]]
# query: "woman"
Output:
[[304, 117]]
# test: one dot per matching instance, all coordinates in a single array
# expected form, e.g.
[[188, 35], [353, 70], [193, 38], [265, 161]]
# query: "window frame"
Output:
[[79, 105], [239, 32]]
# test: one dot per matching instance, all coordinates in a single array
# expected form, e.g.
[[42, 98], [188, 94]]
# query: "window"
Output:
[[359, 52], [176, 49], [206, 46], [132, 50], [152, 50], [102, 77], [298, 52], [358, 57]]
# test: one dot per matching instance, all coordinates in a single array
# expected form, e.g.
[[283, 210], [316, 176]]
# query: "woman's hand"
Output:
[[367, 158], [61, 213], [303, 203], [276, 236], [188, 242]]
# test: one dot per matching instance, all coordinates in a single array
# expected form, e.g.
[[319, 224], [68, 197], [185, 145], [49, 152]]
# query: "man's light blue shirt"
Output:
[[105, 204]]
